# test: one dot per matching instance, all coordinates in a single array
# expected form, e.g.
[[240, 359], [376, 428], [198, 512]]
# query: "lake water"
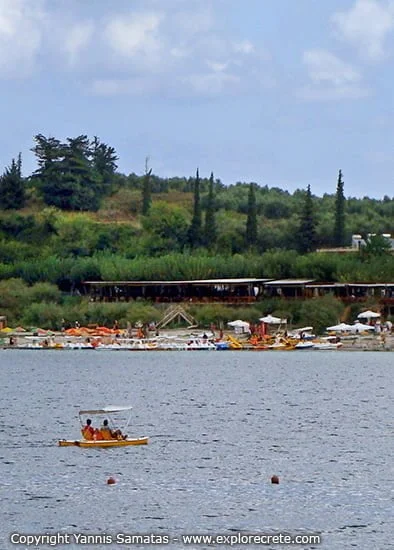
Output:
[[220, 425]]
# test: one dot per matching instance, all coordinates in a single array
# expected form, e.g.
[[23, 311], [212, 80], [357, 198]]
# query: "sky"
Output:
[[280, 92]]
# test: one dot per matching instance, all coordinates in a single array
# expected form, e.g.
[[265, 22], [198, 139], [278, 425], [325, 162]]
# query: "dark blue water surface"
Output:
[[220, 425]]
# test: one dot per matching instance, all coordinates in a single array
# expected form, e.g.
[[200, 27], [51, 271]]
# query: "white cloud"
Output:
[[180, 52], [325, 67], [217, 67], [177, 47], [366, 26], [200, 84], [136, 36], [193, 22], [337, 93], [125, 86], [331, 78], [21, 29], [77, 38], [177, 50], [32, 33], [211, 84], [245, 47]]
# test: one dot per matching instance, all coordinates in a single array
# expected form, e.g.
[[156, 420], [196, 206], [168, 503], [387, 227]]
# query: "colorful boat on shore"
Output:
[[304, 345]]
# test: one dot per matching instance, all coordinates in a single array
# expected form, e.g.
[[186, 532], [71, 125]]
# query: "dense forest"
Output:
[[76, 218]]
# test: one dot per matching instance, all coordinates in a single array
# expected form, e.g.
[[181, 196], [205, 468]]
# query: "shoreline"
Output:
[[59, 341]]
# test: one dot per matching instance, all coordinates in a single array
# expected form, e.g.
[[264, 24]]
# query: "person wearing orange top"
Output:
[[98, 436], [105, 430], [88, 430]]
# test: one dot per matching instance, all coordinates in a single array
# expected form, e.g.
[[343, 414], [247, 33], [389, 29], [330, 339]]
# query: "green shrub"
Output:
[[44, 292], [321, 312], [43, 315], [107, 313], [14, 294]]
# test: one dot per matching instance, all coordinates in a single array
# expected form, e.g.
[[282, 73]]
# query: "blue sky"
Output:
[[281, 92]]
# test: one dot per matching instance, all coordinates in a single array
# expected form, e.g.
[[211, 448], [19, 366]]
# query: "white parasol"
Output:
[[239, 324], [360, 327], [368, 315], [342, 327], [271, 320]]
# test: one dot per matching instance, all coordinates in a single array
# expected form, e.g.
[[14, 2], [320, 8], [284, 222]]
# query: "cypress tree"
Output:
[[195, 229], [146, 190], [339, 226], [251, 222], [12, 186], [210, 230], [307, 230]]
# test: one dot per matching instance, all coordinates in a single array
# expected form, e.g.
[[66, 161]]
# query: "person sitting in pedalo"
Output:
[[106, 431], [88, 431]]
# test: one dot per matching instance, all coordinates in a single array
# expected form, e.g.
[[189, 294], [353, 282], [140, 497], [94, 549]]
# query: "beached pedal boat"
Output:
[[104, 443]]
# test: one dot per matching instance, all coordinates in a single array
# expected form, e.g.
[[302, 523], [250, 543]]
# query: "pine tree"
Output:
[[195, 229], [339, 227], [12, 186], [307, 231], [74, 175], [210, 229], [251, 222], [48, 151], [146, 189], [82, 186], [103, 162]]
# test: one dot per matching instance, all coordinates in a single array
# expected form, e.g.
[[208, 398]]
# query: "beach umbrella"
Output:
[[368, 315], [360, 327], [271, 320], [342, 327], [238, 324]]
